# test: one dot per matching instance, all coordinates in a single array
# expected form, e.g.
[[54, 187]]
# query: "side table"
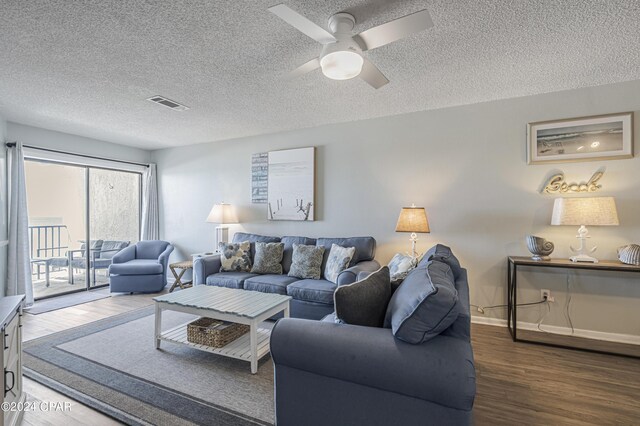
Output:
[[512, 303], [184, 266]]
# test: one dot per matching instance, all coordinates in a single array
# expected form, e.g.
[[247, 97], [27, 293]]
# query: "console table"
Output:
[[512, 271]]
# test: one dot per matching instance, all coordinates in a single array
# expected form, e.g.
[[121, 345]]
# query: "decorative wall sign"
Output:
[[557, 185], [259, 176], [581, 139], [291, 188]]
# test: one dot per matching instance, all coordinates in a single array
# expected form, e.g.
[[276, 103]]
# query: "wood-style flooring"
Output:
[[517, 383]]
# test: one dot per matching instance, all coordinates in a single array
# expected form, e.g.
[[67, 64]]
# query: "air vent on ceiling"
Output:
[[168, 103]]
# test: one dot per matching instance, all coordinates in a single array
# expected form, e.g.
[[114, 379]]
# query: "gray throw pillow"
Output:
[[364, 302], [268, 258], [425, 304], [306, 261], [338, 261], [235, 257]]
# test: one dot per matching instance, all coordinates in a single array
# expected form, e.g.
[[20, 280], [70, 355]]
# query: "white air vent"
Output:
[[168, 103]]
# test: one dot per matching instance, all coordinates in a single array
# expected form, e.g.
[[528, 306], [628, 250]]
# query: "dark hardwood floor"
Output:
[[528, 384]]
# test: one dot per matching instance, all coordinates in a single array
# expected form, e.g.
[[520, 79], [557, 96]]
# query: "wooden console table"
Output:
[[512, 270]]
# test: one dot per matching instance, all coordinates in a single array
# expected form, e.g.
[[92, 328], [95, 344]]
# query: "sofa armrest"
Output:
[[440, 370], [350, 275], [124, 255], [163, 259], [205, 266]]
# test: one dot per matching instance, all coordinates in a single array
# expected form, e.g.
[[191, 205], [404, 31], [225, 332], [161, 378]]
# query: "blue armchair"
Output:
[[140, 268]]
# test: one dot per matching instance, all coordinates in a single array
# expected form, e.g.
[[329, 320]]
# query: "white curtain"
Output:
[[19, 262], [150, 229]]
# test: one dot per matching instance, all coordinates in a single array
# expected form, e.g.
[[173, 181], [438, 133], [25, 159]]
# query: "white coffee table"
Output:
[[226, 304]]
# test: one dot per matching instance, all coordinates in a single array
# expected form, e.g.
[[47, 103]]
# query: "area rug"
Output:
[[61, 302], [112, 366]]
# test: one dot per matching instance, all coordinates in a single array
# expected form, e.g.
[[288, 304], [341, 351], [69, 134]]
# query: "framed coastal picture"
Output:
[[291, 184], [601, 137]]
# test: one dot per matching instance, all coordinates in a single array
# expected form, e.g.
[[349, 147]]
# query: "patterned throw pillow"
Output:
[[235, 257], [306, 261], [338, 261], [268, 258], [400, 266]]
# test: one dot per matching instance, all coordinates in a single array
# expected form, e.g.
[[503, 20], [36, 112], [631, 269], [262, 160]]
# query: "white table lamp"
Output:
[[413, 219], [223, 214], [597, 211]]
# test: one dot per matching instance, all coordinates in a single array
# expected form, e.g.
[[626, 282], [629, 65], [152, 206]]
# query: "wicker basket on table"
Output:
[[214, 333]]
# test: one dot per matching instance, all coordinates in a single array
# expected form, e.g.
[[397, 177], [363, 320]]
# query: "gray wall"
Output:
[[466, 165]]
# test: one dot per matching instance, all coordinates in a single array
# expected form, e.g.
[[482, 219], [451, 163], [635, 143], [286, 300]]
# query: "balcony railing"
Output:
[[46, 240]]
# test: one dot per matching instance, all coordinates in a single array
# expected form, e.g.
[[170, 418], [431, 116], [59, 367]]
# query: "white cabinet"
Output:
[[11, 322]]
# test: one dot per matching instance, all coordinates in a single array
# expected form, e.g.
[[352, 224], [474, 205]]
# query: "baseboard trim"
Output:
[[588, 334]]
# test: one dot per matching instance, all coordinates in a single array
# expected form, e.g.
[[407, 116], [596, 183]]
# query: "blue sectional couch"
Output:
[[312, 299], [339, 374]]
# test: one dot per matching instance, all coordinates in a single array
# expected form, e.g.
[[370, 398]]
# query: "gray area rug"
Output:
[[61, 302], [113, 366]]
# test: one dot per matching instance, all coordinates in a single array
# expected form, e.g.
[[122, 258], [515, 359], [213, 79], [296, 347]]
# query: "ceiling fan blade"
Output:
[[302, 24], [394, 30], [305, 68], [372, 75]]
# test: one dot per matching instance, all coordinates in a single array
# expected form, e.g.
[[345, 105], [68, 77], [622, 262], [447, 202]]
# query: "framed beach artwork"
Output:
[[601, 137], [291, 184]]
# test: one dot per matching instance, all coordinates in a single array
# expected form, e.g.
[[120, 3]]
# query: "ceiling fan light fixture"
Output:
[[341, 65]]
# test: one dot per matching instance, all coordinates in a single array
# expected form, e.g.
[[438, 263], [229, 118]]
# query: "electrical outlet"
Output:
[[547, 293]]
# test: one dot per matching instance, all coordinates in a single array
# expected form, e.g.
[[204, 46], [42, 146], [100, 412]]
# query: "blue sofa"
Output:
[[327, 373], [140, 268], [311, 299]]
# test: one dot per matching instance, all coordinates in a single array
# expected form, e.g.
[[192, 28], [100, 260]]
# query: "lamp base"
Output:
[[583, 258], [222, 236]]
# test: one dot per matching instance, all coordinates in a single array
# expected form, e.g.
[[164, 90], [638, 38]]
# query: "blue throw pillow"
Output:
[[425, 304], [444, 254]]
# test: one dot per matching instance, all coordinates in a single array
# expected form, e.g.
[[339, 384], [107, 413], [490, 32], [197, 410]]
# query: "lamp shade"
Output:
[[412, 219], [222, 213], [585, 211]]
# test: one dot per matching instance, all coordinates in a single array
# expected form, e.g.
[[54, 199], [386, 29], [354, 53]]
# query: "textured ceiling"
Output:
[[87, 67]]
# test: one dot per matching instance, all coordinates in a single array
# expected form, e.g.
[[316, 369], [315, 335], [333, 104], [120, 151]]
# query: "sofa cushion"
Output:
[[136, 267], [96, 245], [364, 302], [318, 291], [229, 279], [338, 261], [239, 237], [365, 248], [268, 258], [110, 248], [151, 249], [235, 257], [269, 283], [288, 249], [425, 304], [306, 261], [443, 254]]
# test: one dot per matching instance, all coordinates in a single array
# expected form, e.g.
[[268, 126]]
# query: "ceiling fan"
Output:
[[341, 56]]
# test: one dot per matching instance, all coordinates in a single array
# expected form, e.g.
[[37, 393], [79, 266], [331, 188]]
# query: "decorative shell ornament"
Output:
[[629, 254], [539, 247]]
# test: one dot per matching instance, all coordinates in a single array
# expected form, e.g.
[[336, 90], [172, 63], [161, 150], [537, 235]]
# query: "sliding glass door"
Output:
[[70, 205]]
